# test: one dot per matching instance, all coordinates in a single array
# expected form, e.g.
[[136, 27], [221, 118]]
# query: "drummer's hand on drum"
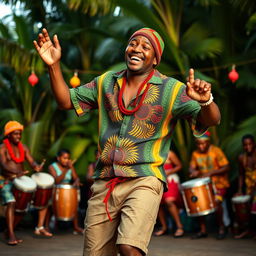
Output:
[[19, 174], [77, 183], [37, 168], [194, 174], [205, 175]]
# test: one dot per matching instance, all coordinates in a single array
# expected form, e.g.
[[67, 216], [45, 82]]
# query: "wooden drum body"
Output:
[[43, 192], [65, 201], [23, 190], [242, 207], [198, 196]]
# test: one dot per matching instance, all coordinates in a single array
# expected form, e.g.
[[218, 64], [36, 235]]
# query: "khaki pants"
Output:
[[133, 207]]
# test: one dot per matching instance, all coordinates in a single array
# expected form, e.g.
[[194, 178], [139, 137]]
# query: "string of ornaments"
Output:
[[233, 75], [33, 79], [75, 81]]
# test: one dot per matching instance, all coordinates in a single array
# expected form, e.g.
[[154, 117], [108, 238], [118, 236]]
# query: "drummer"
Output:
[[247, 174], [64, 173], [209, 161], [13, 154]]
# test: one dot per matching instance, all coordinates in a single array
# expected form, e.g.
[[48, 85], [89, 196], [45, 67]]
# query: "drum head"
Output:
[[65, 186], [240, 199], [195, 183], [25, 184], [43, 180]]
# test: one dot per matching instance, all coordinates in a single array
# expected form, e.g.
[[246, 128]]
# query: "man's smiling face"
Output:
[[140, 55]]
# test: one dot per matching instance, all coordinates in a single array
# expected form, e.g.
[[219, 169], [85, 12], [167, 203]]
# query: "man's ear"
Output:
[[154, 62]]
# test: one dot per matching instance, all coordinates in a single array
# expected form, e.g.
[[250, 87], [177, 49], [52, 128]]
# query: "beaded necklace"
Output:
[[136, 104], [21, 157]]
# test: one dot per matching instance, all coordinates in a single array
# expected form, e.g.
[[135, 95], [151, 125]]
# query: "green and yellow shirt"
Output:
[[134, 145]]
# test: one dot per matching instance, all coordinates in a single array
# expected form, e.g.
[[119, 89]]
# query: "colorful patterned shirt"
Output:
[[212, 160], [250, 175], [135, 145]]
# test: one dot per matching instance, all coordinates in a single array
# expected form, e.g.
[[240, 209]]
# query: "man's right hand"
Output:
[[194, 174], [49, 52]]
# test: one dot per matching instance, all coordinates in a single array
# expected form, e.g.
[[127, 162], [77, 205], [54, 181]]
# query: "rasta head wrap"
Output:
[[12, 126], [205, 136], [154, 38]]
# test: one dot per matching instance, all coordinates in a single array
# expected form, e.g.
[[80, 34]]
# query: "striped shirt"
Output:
[[135, 145]]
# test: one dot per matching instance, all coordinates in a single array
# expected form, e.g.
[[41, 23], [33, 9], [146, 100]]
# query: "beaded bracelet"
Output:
[[207, 102]]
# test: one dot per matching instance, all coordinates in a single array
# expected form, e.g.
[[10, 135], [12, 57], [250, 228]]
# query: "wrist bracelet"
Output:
[[207, 102]]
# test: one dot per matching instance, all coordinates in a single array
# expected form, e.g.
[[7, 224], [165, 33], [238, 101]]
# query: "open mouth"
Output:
[[135, 59]]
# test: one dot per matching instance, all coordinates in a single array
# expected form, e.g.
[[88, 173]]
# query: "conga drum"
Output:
[[253, 208], [65, 202], [198, 196], [43, 192], [23, 190], [241, 206]]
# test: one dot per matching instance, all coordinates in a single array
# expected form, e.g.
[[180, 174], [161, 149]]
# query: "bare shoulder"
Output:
[[3, 147], [25, 147], [240, 157]]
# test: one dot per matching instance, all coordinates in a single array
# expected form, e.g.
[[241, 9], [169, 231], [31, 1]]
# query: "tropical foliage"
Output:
[[209, 35]]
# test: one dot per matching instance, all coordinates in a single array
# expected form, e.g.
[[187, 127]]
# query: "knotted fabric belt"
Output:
[[111, 185]]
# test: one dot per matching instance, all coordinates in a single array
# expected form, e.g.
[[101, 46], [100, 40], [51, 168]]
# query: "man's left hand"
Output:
[[197, 89]]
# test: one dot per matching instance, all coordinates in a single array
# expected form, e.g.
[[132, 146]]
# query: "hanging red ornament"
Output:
[[75, 81], [33, 79], [233, 75]]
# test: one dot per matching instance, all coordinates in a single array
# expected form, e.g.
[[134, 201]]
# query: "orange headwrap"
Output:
[[12, 126]]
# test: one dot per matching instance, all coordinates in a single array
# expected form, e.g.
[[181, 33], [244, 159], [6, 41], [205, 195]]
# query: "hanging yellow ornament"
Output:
[[74, 81]]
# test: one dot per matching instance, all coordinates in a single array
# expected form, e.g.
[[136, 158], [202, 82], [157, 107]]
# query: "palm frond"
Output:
[[208, 48], [91, 7]]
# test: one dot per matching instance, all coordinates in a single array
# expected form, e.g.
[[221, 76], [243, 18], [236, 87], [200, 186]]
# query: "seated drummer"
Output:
[[64, 172], [247, 177], [209, 161], [13, 154]]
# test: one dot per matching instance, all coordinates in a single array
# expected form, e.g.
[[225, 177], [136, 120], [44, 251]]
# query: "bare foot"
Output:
[[78, 231], [12, 241], [42, 232], [179, 233], [160, 232], [242, 235]]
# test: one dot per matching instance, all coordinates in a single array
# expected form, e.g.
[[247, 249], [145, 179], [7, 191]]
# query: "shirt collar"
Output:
[[155, 79]]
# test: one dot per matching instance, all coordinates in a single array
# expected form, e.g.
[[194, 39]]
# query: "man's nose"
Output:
[[137, 48]]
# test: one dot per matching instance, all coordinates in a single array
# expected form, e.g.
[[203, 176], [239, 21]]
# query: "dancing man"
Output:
[[138, 109]]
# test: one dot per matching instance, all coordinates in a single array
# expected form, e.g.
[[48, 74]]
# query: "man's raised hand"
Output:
[[197, 89], [49, 51]]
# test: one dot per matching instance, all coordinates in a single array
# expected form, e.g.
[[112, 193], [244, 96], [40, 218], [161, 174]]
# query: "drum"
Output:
[[241, 207], [253, 209], [198, 196], [65, 202], [23, 190], [43, 192]]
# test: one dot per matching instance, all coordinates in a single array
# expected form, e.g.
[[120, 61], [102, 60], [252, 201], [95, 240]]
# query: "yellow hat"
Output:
[[12, 126]]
